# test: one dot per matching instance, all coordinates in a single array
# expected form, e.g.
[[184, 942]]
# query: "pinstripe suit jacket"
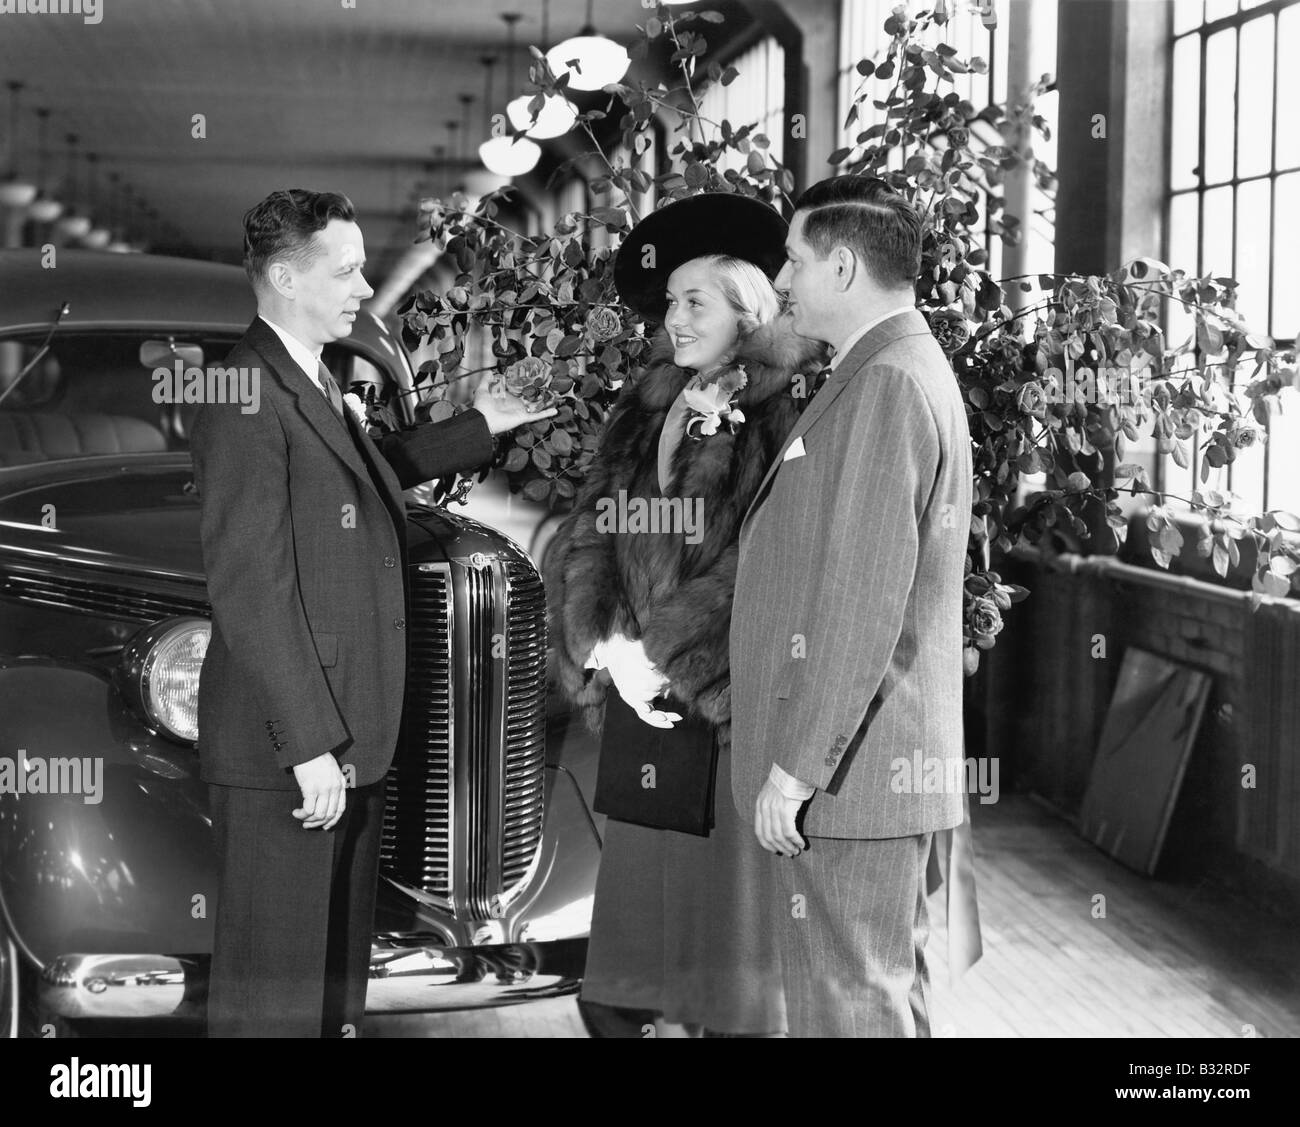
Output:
[[846, 631]]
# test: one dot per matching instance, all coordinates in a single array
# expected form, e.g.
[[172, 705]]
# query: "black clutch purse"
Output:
[[659, 777]]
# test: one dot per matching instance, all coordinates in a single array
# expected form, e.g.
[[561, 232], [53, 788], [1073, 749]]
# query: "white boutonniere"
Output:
[[713, 405], [353, 402]]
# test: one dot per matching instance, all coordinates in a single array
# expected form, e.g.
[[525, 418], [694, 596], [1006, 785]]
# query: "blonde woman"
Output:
[[680, 923]]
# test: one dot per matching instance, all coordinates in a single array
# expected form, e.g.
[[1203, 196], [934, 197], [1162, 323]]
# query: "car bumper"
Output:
[[408, 974]]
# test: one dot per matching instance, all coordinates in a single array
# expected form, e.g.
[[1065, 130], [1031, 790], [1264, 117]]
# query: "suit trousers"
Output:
[[295, 914], [853, 925]]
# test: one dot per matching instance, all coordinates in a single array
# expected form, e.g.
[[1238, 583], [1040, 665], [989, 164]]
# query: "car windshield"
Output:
[[118, 393]]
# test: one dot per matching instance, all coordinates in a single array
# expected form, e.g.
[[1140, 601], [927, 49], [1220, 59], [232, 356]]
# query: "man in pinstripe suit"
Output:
[[846, 636]]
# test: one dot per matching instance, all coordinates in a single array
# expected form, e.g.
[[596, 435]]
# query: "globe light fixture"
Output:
[[99, 236], [505, 155], [44, 208], [557, 115], [72, 226], [591, 60], [556, 118]]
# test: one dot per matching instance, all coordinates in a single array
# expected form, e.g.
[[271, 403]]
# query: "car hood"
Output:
[[139, 513], [135, 512]]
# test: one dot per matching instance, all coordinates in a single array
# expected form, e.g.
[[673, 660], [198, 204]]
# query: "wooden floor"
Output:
[[1167, 960]]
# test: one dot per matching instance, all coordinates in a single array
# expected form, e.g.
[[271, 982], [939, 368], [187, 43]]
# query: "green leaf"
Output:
[[516, 460]]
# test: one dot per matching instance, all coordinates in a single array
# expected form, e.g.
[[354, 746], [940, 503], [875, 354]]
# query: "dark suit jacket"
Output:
[[857, 547], [303, 529]]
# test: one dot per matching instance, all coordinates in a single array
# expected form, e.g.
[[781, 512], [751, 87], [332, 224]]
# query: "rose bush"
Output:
[[1056, 386]]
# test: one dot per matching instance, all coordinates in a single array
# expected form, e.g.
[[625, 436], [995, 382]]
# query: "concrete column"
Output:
[[1112, 71], [809, 31]]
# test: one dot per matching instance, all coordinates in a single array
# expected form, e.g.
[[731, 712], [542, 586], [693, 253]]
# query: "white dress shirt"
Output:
[[795, 789], [303, 356]]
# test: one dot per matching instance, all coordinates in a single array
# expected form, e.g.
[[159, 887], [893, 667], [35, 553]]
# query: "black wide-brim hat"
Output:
[[712, 223]]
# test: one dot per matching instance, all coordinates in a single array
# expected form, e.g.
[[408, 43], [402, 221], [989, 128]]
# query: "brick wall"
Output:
[[1040, 699]]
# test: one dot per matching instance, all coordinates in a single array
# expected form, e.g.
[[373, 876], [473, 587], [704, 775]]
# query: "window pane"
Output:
[[1220, 91], [1187, 15], [1283, 451], [1252, 260], [1286, 237], [1255, 99], [1178, 481], [1217, 9], [1288, 87], [1216, 249], [1186, 113], [1182, 256], [1246, 479]]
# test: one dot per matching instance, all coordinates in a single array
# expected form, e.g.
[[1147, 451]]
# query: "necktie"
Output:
[[820, 378], [330, 388]]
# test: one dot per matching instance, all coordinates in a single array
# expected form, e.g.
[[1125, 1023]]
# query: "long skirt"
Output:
[[681, 924]]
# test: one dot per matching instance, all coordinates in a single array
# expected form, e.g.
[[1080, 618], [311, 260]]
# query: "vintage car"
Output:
[[489, 848]]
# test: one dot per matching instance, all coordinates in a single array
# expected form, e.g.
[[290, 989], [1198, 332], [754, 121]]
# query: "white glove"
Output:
[[635, 677]]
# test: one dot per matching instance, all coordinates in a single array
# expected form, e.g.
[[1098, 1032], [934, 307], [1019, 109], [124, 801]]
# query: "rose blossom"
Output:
[[1032, 400], [986, 618], [1244, 436], [528, 379], [603, 324], [950, 329]]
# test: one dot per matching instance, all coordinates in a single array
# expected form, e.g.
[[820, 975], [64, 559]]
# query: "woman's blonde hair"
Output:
[[746, 288]]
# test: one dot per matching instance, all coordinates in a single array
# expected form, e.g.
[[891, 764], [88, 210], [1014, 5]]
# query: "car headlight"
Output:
[[159, 675]]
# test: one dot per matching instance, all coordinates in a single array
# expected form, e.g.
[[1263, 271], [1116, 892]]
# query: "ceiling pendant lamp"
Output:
[[44, 208], [556, 118], [505, 155], [71, 225], [557, 115], [14, 190], [591, 60], [116, 243], [99, 236]]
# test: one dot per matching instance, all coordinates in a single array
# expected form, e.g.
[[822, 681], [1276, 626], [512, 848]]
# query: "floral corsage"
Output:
[[715, 404], [353, 402]]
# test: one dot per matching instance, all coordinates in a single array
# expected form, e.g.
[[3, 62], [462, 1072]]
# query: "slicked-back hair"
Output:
[[283, 228], [864, 214]]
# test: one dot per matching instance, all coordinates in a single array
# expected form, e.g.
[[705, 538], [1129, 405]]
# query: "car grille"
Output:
[[465, 793], [94, 596]]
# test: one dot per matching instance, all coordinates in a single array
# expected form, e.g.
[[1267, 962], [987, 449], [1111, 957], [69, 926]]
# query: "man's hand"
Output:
[[323, 798], [774, 816], [503, 414]]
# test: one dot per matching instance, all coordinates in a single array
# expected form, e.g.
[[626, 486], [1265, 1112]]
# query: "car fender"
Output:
[[125, 863]]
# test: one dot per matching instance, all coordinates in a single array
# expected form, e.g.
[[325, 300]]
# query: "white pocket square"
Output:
[[795, 450]]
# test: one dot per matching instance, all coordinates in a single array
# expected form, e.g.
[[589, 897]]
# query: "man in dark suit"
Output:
[[303, 531], [846, 637]]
